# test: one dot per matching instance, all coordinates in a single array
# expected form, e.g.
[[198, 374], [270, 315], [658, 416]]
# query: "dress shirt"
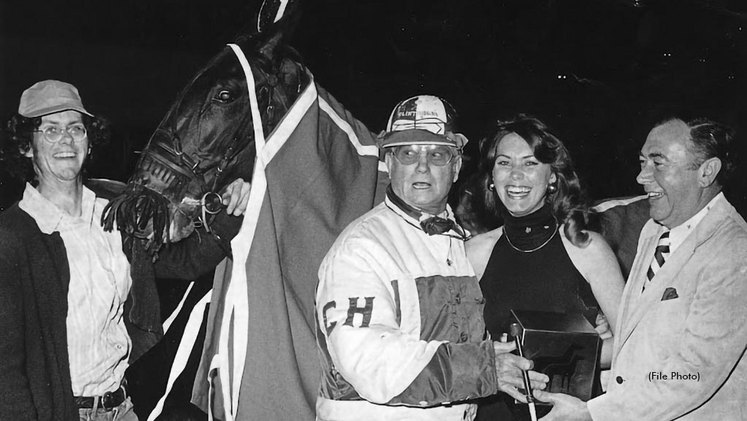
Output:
[[678, 234], [100, 282]]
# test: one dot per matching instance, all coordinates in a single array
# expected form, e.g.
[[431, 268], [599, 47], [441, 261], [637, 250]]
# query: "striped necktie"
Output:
[[660, 256]]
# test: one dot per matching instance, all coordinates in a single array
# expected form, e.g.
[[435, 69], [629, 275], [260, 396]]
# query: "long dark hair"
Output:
[[568, 202], [18, 135]]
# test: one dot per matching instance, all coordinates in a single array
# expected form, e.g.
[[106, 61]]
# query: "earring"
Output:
[[551, 188], [491, 186]]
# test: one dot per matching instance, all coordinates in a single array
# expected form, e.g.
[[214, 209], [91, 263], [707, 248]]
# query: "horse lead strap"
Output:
[[237, 300]]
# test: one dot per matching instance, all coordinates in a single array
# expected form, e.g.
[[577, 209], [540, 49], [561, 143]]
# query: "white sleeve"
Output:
[[359, 312]]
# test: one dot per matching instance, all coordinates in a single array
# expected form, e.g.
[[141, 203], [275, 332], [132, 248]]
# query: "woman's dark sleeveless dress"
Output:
[[542, 280]]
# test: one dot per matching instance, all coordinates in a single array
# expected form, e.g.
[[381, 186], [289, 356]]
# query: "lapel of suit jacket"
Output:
[[646, 245], [637, 304]]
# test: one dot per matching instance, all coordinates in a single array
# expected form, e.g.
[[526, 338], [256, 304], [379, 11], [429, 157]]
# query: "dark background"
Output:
[[598, 71]]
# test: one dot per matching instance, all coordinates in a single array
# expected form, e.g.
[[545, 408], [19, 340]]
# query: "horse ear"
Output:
[[276, 21], [278, 13], [267, 48]]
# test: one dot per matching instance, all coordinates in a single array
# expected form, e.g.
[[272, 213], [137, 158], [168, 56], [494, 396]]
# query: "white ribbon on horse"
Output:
[[236, 297], [187, 342], [235, 315]]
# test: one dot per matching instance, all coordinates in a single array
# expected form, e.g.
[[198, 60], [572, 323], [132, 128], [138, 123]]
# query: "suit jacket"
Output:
[[679, 345]]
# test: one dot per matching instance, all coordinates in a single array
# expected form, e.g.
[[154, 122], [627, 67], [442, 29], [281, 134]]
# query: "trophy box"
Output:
[[563, 346]]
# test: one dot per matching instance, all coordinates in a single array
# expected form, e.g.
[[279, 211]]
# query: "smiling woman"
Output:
[[57, 156], [29, 134], [69, 358], [54, 256], [544, 258], [519, 178]]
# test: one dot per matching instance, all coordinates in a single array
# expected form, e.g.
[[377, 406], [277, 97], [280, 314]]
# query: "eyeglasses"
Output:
[[53, 134], [438, 156]]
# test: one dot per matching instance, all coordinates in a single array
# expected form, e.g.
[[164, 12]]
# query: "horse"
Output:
[[206, 139], [254, 111]]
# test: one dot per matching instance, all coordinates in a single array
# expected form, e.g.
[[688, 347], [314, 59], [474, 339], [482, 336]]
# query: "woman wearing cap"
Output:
[[544, 257], [64, 281]]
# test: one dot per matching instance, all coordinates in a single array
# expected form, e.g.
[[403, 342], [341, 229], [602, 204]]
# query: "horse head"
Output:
[[207, 138]]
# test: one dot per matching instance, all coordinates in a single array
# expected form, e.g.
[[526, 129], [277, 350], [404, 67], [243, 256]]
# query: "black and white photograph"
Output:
[[373, 210]]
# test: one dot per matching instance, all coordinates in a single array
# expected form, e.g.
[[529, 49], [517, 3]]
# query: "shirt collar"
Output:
[[48, 216], [419, 219], [678, 234]]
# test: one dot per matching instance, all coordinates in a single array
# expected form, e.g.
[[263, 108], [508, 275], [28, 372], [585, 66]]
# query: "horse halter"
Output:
[[165, 171], [187, 165], [174, 169]]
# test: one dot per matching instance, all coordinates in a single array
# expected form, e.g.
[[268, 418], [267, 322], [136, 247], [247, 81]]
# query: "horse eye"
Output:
[[224, 96]]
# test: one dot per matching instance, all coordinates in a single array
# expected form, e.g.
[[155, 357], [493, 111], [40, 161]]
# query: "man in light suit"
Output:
[[682, 334]]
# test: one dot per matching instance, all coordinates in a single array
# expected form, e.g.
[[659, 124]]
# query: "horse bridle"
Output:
[[190, 167], [169, 154]]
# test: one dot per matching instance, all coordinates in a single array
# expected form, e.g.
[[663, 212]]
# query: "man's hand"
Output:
[[236, 197], [564, 407], [508, 367]]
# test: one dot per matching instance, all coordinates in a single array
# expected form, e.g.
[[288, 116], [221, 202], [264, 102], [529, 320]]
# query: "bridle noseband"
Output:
[[168, 172], [188, 166]]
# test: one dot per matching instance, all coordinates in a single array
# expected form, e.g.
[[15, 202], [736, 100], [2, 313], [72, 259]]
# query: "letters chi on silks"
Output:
[[353, 309]]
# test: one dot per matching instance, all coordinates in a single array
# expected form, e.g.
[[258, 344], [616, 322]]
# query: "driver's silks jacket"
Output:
[[400, 327]]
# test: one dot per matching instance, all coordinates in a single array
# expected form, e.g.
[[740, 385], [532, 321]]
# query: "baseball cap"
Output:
[[422, 119], [49, 97]]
